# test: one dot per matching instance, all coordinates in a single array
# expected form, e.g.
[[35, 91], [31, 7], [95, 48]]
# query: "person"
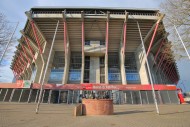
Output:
[[93, 95]]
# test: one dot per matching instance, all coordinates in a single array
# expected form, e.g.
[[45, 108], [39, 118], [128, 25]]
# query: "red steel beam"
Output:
[[24, 62], [19, 62], [25, 53], [36, 37], [164, 66], [158, 51], [18, 68], [161, 60], [28, 44], [124, 36], [169, 69], [172, 75], [15, 74], [14, 70], [166, 70], [153, 36], [170, 72], [65, 37]]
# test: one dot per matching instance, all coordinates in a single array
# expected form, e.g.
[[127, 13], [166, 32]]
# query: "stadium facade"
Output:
[[94, 49]]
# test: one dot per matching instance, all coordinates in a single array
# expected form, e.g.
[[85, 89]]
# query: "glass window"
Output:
[[87, 42], [114, 75], [33, 73], [102, 42], [75, 67], [57, 70], [132, 75]]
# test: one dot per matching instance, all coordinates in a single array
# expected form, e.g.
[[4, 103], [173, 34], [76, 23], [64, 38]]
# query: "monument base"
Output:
[[97, 106]]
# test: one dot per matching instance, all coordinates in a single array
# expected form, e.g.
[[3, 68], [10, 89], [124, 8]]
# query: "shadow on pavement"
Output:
[[130, 112], [170, 113]]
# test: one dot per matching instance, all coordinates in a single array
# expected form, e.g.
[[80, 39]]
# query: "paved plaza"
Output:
[[61, 115]]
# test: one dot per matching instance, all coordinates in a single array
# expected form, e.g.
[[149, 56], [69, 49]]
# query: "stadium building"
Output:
[[94, 50]]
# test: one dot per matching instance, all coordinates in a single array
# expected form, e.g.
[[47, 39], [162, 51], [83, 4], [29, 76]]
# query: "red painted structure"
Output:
[[180, 96], [90, 86]]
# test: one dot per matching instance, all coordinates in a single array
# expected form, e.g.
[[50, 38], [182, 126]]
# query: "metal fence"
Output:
[[73, 96]]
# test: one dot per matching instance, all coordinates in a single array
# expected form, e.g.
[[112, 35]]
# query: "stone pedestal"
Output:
[[97, 106]]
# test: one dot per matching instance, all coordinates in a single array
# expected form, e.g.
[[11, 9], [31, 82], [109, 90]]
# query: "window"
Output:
[[114, 75], [132, 75], [33, 72], [102, 42], [87, 42], [75, 67], [57, 70]]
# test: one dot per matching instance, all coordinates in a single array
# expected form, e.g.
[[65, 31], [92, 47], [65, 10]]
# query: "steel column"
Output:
[[147, 97], [169, 97], [131, 97], [140, 97], [68, 97], [37, 95], [49, 98], [12, 93], [5, 95], [29, 96], [153, 36], [20, 95], [59, 97]]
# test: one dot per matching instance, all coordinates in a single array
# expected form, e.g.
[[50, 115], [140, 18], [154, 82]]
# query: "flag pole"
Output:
[[147, 63], [48, 61]]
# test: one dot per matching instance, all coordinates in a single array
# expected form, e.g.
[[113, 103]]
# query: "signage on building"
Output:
[[26, 83], [23, 83], [87, 86]]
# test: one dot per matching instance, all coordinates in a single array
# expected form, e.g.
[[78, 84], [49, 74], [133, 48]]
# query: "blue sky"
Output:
[[14, 10]]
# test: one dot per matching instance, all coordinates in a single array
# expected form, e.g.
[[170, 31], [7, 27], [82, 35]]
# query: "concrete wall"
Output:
[[94, 69]]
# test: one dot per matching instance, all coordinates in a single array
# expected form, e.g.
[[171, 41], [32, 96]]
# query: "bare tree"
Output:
[[178, 13], [5, 32]]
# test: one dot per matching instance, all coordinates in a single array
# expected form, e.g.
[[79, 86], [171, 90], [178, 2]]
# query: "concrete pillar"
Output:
[[38, 65], [94, 70], [122, 68], [49, 67], [106, 69], [82, 69], [141, 65], [67, 65], [29, 72]]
